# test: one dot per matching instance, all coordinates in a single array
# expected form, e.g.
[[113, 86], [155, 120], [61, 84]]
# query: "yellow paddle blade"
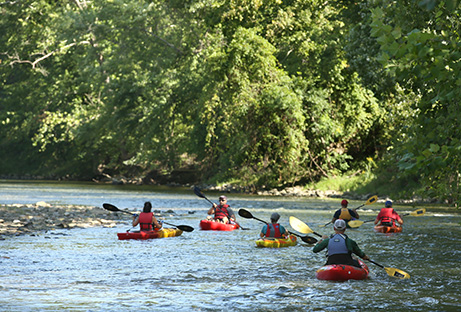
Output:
[[418, 212], [372, 200], [397, 273], [300, 226], [355, 223]]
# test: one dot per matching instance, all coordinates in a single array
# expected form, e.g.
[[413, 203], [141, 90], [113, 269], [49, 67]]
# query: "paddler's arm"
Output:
[[263, 231], [135, 220], [352, 246], [322, 244], [212, 209], [231, 214], [156, 223], [355, 214]]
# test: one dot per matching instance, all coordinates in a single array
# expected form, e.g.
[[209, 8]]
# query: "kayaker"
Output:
[[387, 216], [340, 247], [345, 213], [146, 219], [274, 229], [222, 212]]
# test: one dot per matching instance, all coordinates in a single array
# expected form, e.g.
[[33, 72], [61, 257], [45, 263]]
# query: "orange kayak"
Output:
[[387, 229]]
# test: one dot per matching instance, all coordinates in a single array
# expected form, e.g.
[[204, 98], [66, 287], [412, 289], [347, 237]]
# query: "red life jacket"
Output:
[[387, 215], [221, 211], [273, 230], [145, 221]]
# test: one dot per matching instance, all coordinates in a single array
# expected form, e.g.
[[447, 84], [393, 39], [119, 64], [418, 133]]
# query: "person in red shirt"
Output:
[[388, 216], [146, 219]]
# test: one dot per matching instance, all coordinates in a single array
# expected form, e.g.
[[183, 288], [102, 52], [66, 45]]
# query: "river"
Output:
[[90, 270]]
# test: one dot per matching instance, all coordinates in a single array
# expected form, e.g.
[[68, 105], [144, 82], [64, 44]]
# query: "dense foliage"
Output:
[[266, 92]]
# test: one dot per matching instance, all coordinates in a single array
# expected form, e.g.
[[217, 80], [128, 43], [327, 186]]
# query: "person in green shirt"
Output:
[[340, 247]]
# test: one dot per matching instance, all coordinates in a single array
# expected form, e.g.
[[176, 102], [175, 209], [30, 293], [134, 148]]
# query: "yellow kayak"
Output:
[[149, 234], [276, 242]]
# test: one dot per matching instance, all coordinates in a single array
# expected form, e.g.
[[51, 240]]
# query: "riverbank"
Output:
[[40, 218]]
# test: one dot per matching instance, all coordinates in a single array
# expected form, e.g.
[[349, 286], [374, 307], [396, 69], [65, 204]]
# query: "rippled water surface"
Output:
[[90, 270]]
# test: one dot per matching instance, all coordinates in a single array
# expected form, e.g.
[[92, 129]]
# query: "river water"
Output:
[[90, 270]]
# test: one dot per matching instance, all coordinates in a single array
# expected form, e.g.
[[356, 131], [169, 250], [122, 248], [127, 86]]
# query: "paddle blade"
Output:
[[198, 192], [397, 273], [418, 212], [372, 200], [185, 228], [110, 207], [355, 223], [245, 214], [309, 240], [300, 226]]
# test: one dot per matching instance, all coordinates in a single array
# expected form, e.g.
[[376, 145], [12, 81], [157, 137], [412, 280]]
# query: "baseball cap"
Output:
[[340, 224], [344, 202], [223, 197]]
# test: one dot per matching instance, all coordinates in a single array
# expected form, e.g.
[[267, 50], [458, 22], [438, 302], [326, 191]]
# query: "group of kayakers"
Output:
[[339, 246]]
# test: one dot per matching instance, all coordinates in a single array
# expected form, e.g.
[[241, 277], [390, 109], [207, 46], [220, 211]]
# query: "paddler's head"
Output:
[[147, 207], [340, 225], [344, 203], [222, 199], [275, 217]]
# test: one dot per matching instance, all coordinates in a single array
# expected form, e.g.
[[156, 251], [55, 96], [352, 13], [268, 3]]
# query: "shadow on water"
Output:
[[90, 270]]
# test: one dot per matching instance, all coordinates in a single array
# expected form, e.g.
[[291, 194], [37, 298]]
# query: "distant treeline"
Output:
[[255, 92]]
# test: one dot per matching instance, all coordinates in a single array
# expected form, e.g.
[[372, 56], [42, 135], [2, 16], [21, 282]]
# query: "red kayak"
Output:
[[387, 229], [342, 272], [208, 225]]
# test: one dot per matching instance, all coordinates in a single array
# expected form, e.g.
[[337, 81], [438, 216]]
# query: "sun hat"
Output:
[[275, 216], [340, 224], [344, 202]]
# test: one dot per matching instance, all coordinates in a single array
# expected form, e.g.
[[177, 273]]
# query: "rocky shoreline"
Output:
[[34, 219]]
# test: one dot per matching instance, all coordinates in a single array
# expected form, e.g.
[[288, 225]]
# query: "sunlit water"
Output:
[[90, 270]]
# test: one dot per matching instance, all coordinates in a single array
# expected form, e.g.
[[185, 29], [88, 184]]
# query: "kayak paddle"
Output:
[[199, 193], [370, 200], [416, 213], [393, 271], [246, 214], [111, 207], [302, 227]]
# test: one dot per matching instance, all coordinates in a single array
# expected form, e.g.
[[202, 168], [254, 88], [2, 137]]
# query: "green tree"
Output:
[[421, 48]]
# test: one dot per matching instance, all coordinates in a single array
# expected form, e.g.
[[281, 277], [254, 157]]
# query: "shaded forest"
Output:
[[257, 93]]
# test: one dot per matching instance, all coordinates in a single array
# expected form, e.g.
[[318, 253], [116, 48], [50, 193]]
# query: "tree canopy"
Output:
[[269, 93]]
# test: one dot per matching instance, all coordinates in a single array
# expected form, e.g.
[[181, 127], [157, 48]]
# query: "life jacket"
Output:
[[386, 216], [345, 214], [221, 212], [273, 230], [337, 245], [145, 221]]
